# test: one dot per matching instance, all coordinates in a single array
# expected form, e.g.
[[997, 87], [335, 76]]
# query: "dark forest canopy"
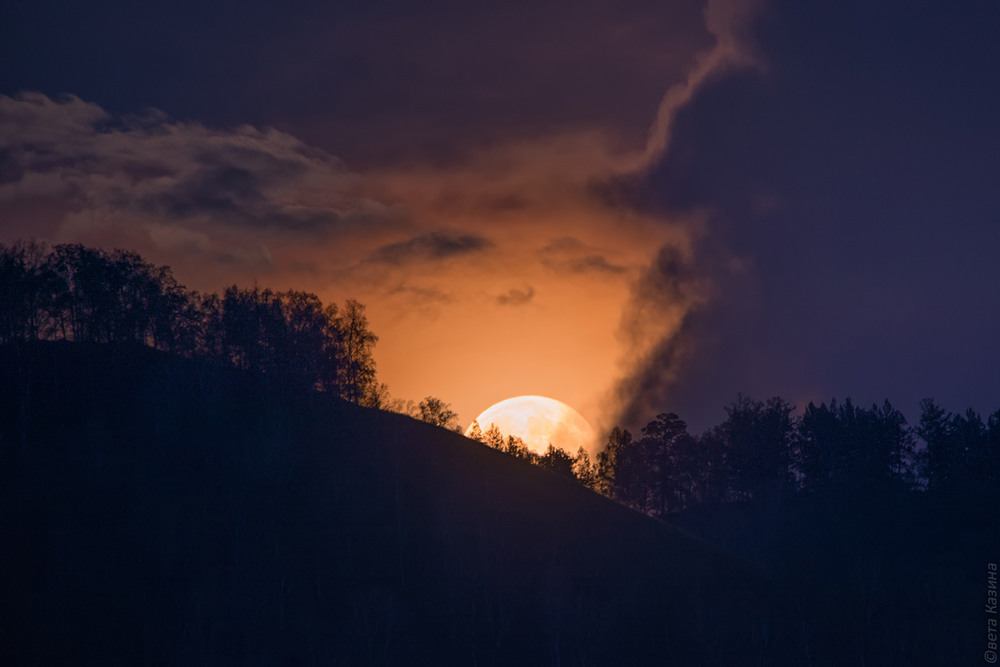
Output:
[[763, 452], [89, 295]]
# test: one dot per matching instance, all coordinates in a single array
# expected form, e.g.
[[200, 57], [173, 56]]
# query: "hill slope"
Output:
[[162, 510]]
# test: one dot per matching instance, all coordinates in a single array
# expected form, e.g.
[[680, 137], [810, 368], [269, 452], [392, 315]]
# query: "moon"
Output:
[[539, 421]]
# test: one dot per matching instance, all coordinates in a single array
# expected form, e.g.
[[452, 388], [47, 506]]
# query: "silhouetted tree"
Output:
[[607, 458], [714, 483], [435, 411], [90, 295], [104, 297], [817, 448], [476, 433], [177, 319], [961, 451], [993, 449], [28, 286], [623, 473], [558, 461], [292, 338], [853, 449], [755, 442], [669, 465], [357, 368], [894, 450], [253, 330], [516, 447], [493, 437], [583, 470], [310, 345], [658, 473]]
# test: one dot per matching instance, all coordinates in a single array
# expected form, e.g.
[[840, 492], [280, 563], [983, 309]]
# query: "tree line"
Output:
[[763, 453], [555, 458], [76, 293]]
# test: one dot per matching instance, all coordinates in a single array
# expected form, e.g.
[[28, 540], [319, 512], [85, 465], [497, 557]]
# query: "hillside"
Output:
[[168, 511]]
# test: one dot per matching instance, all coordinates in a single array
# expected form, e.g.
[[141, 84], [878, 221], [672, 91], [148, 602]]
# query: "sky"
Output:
[[631, 207]]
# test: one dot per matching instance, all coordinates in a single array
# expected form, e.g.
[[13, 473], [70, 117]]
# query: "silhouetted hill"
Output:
[[162, 510]]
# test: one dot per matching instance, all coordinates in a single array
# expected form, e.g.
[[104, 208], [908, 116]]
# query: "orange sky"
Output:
[[504, 273], [630, 205], [508, 268], [536, 312]]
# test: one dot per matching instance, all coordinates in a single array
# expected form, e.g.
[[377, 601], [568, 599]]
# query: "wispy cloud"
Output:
[[730, 23], [164, 186], [516, 297], [433, 246], [570, 255]]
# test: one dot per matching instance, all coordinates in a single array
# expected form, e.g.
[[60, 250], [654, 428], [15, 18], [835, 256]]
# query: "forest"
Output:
[[762, 452], [871, 531], [89, 295]]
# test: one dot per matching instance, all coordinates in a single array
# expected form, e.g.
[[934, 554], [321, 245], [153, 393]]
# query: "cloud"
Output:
[[233, 203], [516, 297], [656, 326], [657, 330], [829, 181], [225, 205], [423, 295], [163, 186], [452, 78], [552, 140], [595, 264], [152, 166], [34, 119], [570, 255], [648, 388], [730, 23], [430, 247]]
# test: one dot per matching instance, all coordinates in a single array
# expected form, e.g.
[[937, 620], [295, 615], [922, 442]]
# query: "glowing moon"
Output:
[[539, 421]]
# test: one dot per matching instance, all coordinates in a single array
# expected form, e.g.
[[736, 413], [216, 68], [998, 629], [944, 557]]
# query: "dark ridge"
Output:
[[164, 510]]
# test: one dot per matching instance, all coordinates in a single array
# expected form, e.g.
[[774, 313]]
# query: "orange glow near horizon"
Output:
[[537, 310], [501, 274]]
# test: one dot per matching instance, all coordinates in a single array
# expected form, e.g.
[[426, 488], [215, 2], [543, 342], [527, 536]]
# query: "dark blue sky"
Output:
[[858, 175], [847, 184]]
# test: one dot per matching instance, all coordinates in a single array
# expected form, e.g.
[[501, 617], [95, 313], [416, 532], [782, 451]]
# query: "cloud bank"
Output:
[[433, 250], [502, 270]]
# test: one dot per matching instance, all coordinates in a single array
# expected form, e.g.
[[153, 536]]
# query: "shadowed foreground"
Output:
[[163, 510]]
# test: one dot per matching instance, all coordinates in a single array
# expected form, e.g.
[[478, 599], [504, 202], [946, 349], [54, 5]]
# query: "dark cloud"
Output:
[[423, 296], [569, 255], [849, 215], [516, 297], [651, 386], [235, 196], [224, 189], [430, 247], [657, 325], [594, 264], [665, 280], [11, 171], [388, 79], [152, 170]]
